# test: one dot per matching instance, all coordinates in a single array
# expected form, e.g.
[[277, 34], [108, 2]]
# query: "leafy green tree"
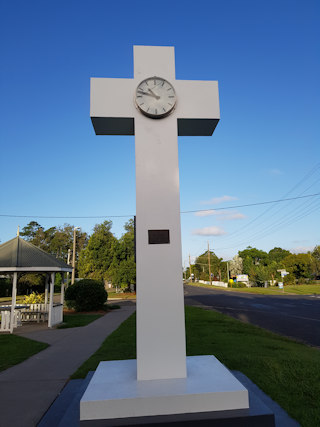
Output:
[[278, 254], [315, 261], [97, 257], [201, 266], [31, 282], [236, 265], [55, 240], [254, 256], [29, 231], [122, 270], [299, 265]]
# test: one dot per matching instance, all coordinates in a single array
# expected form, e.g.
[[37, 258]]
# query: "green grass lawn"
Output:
[[7, 300], [286, 370], [290, 289], [75, 320], [123, 295], [15, 349]]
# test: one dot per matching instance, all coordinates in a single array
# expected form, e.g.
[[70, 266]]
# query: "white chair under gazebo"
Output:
[[18, 256]]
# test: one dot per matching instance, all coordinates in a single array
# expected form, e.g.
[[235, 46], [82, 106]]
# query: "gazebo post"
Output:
[[51, 299], [62, 289], [13, 300], [46, 289]]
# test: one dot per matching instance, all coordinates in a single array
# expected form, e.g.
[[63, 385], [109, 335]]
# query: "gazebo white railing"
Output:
[[18, 256]]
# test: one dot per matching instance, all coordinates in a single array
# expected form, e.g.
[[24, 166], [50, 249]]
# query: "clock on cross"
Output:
[[155, 97]]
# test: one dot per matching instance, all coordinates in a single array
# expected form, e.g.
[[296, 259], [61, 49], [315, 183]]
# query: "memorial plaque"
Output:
[[158, 237]]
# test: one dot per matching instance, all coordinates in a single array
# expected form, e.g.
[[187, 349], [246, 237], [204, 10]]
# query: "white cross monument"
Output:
[[156, 108]]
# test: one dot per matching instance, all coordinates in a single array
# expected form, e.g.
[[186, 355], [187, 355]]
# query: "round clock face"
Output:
[[155, 97]]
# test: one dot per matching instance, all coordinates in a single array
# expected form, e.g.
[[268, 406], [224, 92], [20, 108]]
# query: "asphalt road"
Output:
[[293, 316]]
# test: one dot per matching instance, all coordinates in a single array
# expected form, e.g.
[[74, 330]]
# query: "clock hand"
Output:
[[145, 93], [153, 94]]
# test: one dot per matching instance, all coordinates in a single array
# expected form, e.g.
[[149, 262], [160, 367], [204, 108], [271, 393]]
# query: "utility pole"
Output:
[[190, 268], [68, 262], [74, 256], [209, 265], [228, 271]]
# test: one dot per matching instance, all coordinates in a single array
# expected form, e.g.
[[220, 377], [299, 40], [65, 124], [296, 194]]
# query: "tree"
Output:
[[315, 261], [96, 259], [254, 256], [29, 231], [299, 265], [122, 270], [278, 254], [55, 240], [236, 265], [201, 266]]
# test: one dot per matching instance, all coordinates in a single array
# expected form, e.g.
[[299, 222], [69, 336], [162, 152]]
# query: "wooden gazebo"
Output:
[[18, 256]]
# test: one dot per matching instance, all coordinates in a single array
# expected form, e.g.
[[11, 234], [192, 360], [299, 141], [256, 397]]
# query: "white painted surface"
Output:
[[114, 391], [13, 301], [5, 324], [160, 304], [197, 99], [214, 283], [50, 319], [56, 315], [112, 97]]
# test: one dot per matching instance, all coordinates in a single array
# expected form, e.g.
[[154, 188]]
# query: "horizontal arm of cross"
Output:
[[198, 109], [112, 107]]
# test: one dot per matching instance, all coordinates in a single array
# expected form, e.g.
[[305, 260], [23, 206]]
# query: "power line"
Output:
[[252, 204], [277, 227], [311, 172], [182, 212]]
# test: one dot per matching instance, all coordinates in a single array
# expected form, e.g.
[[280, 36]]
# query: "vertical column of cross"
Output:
[[160, 303]]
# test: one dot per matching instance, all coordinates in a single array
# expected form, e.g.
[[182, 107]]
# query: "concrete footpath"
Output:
[[27, 390]]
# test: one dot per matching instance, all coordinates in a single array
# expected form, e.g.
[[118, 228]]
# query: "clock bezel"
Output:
[[152, 115]]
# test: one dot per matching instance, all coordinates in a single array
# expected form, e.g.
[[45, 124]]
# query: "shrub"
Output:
[[289, 280], [239, 285], [86, 295], [33, 298]]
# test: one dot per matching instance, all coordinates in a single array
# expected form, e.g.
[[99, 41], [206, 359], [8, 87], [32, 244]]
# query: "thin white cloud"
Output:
[[206, 213], [217, 200], [209, 231], [221, 215], [275, 172], [302, 249]]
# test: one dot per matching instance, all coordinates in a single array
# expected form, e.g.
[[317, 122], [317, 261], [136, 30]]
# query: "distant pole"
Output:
[[209, 264], [228, 271], [190, 268], [68, 262], [74, 256]]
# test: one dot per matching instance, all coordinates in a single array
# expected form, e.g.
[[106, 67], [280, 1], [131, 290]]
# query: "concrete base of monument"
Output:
[[114, 393]]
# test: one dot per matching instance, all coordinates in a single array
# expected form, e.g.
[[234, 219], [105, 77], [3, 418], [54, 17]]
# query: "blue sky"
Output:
[[265, 56]]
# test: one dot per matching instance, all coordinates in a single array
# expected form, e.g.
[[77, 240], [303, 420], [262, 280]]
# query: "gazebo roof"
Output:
[[18, 255]]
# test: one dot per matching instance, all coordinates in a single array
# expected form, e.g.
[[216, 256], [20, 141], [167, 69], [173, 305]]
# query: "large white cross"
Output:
[[161, 350]]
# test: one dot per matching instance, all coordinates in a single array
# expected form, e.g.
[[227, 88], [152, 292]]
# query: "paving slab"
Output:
[[34, 384]]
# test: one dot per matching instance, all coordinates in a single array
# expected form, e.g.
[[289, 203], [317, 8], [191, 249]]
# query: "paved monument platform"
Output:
[[65, 411], [114, 391]]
